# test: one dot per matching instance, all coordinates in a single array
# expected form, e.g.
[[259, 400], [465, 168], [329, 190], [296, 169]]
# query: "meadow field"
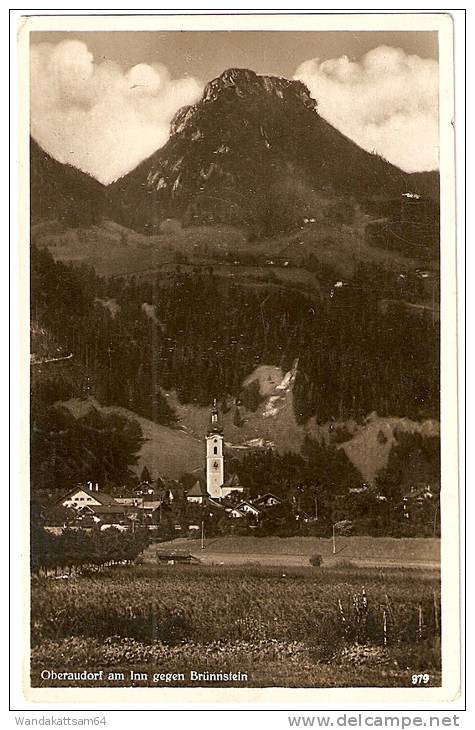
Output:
[[363, 551], [114, 250], [340, 626]]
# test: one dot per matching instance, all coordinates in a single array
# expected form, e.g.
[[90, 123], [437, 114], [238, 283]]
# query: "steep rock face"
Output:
[[252, 151], [62, 192], [246, 83]]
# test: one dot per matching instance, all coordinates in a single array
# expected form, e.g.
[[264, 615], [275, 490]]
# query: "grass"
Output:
[[284, 630], [391, 548], [114, 250], [165, 450]]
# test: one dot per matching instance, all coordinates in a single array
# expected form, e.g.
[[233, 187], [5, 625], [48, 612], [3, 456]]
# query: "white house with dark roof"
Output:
[[236, 513], [267, 500], [245, 509], [110, 514], [81, 496]]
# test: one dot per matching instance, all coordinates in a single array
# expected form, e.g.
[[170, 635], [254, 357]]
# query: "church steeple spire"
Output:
[[215, 425]]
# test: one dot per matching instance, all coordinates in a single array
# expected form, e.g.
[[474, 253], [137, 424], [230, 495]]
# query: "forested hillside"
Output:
[[61, 192], [203, 339]]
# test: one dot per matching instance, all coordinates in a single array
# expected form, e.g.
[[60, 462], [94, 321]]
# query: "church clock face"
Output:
[[215, 465]]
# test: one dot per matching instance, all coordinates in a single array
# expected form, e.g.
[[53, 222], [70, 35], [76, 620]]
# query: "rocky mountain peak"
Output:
[[240, 84], [241, 79], [247, 83]]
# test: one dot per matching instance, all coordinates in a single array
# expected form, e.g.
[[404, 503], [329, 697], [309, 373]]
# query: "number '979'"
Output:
[[418, 679]]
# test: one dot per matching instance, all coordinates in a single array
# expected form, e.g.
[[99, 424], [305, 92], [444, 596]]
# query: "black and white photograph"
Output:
[[239, 258]]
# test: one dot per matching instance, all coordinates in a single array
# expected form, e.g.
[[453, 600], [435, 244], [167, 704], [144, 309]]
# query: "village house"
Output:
[[145, 488], [129, 501], [173, 491], [137, 507], [267, 500], [197, 493], [90, 507], [89, 495], [236, 513], [416, 497], [245, 509], [102, 516], [151, 509], [175, 556]]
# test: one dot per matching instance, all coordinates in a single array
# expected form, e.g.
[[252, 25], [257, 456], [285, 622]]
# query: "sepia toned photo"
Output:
[[242, 440]]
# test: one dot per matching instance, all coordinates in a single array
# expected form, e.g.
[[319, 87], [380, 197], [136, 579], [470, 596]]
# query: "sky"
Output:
[[103, 101]]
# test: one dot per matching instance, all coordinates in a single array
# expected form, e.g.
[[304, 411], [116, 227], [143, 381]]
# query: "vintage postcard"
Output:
[[238, 253]]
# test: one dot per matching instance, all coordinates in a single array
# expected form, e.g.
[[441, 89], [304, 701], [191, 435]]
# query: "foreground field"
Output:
[[308, 627]]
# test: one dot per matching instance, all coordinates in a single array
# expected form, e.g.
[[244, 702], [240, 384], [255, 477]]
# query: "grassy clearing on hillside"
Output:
[[300, 629], [166, 451], [115, 250]]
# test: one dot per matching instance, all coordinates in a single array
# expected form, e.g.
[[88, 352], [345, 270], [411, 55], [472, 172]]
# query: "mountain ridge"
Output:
[[253, 149], [61, 191]]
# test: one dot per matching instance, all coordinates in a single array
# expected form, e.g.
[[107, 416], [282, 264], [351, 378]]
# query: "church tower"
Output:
[[215, 456]]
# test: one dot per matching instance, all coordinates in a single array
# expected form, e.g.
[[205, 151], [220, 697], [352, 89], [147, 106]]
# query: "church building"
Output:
[[216, 486], [215, 455]]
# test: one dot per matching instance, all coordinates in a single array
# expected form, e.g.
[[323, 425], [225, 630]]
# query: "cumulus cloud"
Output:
[[386, 102], [97, 116]]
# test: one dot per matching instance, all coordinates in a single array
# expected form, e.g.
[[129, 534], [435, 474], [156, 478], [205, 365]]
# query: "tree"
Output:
[[414, 460], [237, 418], [331, 466], [278, 520], [413, 463], [66, 450], [251, 396], [145, 476], [79, 549]]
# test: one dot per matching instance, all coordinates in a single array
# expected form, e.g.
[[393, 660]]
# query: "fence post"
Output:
[[421, 621], [436, 614]]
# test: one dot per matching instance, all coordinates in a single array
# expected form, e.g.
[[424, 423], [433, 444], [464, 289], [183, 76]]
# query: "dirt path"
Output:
[[208, 558]]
